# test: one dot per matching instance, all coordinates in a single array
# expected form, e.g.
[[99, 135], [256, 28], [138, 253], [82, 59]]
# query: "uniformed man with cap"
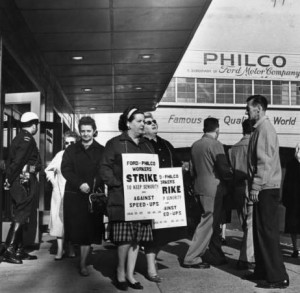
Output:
[[23, 164]]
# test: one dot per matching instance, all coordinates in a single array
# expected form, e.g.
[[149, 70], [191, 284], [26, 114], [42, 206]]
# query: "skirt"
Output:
[[135, 231]]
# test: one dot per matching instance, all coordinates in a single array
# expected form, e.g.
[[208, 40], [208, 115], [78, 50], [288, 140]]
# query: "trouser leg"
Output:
[[267, 249], [202, 234], [246, 219], [10, 253], [20, 251], [215, 245]]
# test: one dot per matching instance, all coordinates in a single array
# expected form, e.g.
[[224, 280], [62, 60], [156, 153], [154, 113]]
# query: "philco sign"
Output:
[[244, 59], [203, 64]]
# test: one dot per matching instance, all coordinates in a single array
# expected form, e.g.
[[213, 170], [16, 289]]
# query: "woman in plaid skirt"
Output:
[[126, 235]]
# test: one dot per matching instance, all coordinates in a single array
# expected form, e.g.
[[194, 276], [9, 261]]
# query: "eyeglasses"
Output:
[[150, 122], [69, 142]]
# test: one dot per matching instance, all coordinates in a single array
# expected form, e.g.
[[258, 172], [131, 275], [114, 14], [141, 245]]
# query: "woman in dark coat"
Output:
[[291, 200], [167, 158], [127, 235], [80, 167]]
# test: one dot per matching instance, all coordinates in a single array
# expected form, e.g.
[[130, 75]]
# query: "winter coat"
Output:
[[111, 170]]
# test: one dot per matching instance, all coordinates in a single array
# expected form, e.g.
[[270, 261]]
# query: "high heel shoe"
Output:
[[155, 278], [123, 286], [84, 272], [136, 285]]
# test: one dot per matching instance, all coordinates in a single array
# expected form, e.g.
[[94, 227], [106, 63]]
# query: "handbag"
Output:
[[97, 201]]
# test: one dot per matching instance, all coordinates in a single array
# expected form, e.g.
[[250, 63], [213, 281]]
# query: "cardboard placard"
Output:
[[172, 199], [141, 186]]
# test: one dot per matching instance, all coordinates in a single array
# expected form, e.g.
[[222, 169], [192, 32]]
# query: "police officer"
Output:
[[23, 164]]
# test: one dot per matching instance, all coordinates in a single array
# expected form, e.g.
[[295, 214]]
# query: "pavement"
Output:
[[45, 275]]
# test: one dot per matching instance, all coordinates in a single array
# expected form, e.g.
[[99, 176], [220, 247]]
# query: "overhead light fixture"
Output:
[[88, 89], [138, 88], [146, 56], [77, 58], [92, 108]]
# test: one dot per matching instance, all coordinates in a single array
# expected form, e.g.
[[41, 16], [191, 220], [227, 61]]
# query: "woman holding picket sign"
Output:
[[167, 158], [127, 235]]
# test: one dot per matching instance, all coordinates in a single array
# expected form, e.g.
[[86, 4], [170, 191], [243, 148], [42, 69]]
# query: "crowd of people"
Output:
[[250, 171]]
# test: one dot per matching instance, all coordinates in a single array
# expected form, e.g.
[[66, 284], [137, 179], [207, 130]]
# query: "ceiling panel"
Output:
[[89, 97], [144, 87], [144, 79], [143, 68], [111, 36], [90, 57], [150, 39], [157, 55], [94, 89], [81, 70], [68, 21], [157, 3], [85, 80], [62, 4], [154, 19], [73, 42]]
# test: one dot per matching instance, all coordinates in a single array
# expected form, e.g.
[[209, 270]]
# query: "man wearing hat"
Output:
[[23, 164]]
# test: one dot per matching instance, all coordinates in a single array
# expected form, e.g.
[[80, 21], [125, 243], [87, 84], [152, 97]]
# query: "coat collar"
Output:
[[124, 136], [79, 147], [260, 121], [206, 135]]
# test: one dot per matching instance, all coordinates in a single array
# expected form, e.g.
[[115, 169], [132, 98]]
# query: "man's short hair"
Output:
[[210, 124], [247, 126], [259, 100]]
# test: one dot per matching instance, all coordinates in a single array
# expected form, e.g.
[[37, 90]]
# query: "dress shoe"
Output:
[[244, 265], [20, 253], [253, 277], [217, 259], [155, 279], [122, 286], [84, 272], [275, 285], [201, 265], [295, 254], [10, 256], [136, 285]]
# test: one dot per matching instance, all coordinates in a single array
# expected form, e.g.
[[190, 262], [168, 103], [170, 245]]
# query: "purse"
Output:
[[97, 201]]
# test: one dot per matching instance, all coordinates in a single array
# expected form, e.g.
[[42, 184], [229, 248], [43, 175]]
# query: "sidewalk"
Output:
[[48, 276]]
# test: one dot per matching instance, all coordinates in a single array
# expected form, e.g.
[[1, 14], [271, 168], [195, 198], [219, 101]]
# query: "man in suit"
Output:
[[264, 180], [212, 173], [244, 207]]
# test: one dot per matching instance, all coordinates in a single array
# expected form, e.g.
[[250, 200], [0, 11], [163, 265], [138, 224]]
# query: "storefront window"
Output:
[[243, 90], [224, 93], [295, 93], [185, 90], [169, 95], [280, 92], [205, 90], [263, 87]]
